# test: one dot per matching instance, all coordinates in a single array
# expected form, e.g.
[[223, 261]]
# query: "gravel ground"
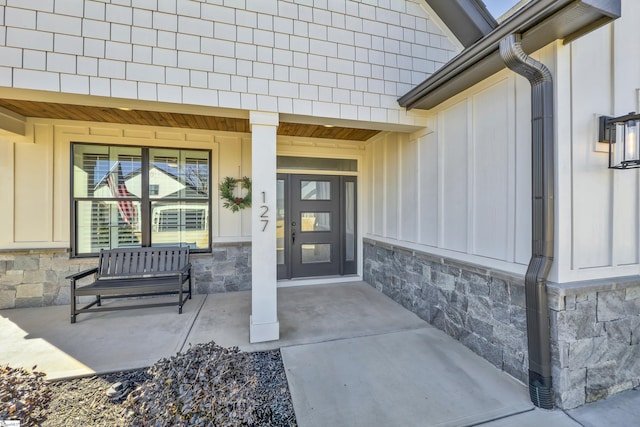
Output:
[[207, 385]]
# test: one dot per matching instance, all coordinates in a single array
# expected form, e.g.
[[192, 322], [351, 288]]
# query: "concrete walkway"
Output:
[[352, 356]]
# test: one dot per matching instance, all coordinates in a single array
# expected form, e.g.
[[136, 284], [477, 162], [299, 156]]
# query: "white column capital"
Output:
[[264, 118]]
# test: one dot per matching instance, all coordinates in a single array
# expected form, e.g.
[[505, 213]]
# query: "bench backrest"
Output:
[[141, 261]]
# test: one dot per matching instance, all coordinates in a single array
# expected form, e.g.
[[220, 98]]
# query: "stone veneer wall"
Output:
[[595, 325], [33, 278], [226, 269], [483, 309], [595, 332]]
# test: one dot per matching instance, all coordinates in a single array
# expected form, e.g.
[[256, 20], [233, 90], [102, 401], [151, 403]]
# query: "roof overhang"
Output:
[[17, 107], [540, 23], [468, 20]]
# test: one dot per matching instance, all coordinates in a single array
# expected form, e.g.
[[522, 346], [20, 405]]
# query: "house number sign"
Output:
[[264, 218]]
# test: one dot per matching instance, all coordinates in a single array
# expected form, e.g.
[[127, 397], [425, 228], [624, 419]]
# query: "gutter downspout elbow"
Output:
[[542, 171]]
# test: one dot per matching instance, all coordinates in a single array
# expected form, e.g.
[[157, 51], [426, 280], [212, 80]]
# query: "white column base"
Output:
[[260, 332]]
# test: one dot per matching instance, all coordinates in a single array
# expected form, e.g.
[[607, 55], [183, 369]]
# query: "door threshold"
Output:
[[321, 280]]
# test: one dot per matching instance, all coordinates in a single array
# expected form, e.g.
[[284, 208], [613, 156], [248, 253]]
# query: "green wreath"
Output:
[[230, 200]]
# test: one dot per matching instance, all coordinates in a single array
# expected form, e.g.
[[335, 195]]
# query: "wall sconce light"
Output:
[[621, 133]]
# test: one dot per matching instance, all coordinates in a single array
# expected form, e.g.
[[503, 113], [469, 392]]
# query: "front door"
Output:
[[316, 225]]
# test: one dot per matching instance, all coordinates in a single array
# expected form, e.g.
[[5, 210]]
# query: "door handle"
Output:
[[293, 232]]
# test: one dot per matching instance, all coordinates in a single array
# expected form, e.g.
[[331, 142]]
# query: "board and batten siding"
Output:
[[36, 188], [35, 177], [461, 187], [467, 177], [605, 205]]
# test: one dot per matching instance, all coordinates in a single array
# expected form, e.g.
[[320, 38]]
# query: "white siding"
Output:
[[454, 143], [378, 207], [409, 189], [492, 189], [428, 168], [345, 60], [229, 164], [391, 198], [33, 167], [592, 183], [463, 183], [604, 211]]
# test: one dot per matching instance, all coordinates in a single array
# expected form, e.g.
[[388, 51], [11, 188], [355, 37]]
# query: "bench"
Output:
[[134, 272]]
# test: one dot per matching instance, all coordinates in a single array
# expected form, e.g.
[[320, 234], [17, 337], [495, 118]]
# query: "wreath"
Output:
[[230, 200]]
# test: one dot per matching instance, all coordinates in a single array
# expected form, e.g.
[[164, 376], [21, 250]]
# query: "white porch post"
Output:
[[264, 325]]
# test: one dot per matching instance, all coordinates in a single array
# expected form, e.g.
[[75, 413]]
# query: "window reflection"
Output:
[[315, 221], [315, 190]]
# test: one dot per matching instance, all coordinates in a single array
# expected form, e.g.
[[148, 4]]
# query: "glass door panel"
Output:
[[315, 221], [315, 227], [315, 253], [280, 228]]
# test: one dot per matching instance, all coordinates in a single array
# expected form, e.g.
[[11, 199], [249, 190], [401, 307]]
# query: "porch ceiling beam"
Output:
[[539, 23], [12, 124]]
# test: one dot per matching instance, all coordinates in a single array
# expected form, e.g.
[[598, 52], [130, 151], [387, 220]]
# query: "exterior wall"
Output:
[[35, 189], [599, 209], [36, 195], [482, 308], [33, 278], [467, 176], [34, 222], [460, 188], [335, 58], [467, 179]]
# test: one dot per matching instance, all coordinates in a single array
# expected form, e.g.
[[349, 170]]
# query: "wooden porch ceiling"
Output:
[[51, 110]]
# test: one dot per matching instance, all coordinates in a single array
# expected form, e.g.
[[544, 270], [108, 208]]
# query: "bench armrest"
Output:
[[186, 269], [82, 274]]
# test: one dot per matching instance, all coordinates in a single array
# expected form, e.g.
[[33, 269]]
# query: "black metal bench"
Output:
[[134, 272]]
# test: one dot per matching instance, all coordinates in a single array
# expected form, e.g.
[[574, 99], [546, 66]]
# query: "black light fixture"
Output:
[[621, 133]]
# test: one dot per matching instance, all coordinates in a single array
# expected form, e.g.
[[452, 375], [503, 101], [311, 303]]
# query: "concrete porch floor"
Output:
[[352, 357]]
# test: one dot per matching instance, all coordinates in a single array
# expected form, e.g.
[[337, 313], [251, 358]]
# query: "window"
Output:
[[134, 196]]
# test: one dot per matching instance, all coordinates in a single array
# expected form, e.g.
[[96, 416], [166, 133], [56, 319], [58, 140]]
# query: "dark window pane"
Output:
[[317, 163]]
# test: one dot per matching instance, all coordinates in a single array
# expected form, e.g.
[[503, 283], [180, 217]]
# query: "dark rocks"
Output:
[[205, 386], [85, 401], [212, 385], [24, 395]]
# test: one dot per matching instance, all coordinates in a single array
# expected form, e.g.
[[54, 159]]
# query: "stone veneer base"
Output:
[[36, 277], [595, 325]]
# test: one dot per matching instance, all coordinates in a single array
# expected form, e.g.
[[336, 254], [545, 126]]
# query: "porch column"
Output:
[[264, 325]]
